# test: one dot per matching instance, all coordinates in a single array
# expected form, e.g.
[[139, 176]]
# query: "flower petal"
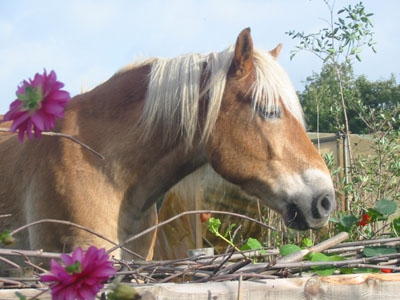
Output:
[[95, 269], [38, 120], [19, 120], [53, 108], [40, 100]]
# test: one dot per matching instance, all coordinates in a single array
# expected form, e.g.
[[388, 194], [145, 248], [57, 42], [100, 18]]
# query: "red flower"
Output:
[[82, 275], [386, 270], [39, 102], [366, 218]]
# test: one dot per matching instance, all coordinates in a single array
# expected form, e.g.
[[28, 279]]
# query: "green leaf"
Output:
[[332, 51], [20, 296], [366, 270], [289, 249], [346, 270], [252, 244], [375, 215], [386, 207], [214, 224], [348, 221], [322, 270], [306, 242], [334, 220], [6, 238], [376, 251], [396, 226], [229, 229], [123, 292]]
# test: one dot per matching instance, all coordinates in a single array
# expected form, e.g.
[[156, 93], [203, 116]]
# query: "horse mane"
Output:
[[172, 101]]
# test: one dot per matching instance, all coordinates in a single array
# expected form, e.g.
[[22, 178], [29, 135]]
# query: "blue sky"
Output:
[[86, 41]]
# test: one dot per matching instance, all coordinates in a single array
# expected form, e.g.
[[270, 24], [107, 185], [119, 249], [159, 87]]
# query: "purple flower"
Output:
[[39, 102], [81, 276]]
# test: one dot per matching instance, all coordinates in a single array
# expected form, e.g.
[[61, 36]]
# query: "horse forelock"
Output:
[[273, 84], [171, 106]]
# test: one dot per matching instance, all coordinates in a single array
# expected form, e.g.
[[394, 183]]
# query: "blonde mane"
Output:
[[174, 91]]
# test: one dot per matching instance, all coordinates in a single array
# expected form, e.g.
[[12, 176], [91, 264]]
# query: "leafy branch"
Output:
[[214, 224], [338, 44]]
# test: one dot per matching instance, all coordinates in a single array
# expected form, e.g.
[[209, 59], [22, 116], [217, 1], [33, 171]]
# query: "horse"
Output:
[[155, 122]]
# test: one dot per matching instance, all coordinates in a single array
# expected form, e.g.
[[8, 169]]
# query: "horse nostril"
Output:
[[321, 207], [326, 204]]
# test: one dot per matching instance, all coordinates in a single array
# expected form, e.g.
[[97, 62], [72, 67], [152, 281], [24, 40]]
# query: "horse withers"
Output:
[[155, 122]]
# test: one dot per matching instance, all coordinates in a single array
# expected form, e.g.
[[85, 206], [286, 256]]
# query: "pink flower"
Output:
[[82, 275], [38, 103]]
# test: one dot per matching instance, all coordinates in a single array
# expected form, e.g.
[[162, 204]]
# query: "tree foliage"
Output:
[[341, 41], [335, 99], [337, 45], [321, 98], [365, 98]]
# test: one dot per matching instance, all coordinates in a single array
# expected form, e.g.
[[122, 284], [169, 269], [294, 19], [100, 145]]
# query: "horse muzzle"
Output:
[[314, 217]]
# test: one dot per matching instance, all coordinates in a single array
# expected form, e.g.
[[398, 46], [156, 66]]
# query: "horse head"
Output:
[[259, 141]]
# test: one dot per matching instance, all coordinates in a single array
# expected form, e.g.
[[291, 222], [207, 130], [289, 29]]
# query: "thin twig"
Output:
[[217, 270], [39, 294], [30, 253], [35, 266], [232, 266], [12, 281], [368, 242], [239, 265], [11, 263], [76, 141], [67, 136], [339, 263], [74, 225]]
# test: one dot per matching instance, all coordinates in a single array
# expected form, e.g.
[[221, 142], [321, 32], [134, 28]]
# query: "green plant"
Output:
[[314, 257], [370, 223], [251, 244], [6, 238], [338, 44]]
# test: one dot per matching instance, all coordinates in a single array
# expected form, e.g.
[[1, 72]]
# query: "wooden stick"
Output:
[[298, 256]]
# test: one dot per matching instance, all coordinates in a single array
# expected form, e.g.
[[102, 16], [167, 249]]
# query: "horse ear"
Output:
[[275, 52], [242, 61]]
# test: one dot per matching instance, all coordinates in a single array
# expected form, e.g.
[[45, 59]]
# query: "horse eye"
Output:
[[269, 112]]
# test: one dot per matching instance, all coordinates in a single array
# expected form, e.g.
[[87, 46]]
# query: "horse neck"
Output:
[[142, 170], [159, 171]]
